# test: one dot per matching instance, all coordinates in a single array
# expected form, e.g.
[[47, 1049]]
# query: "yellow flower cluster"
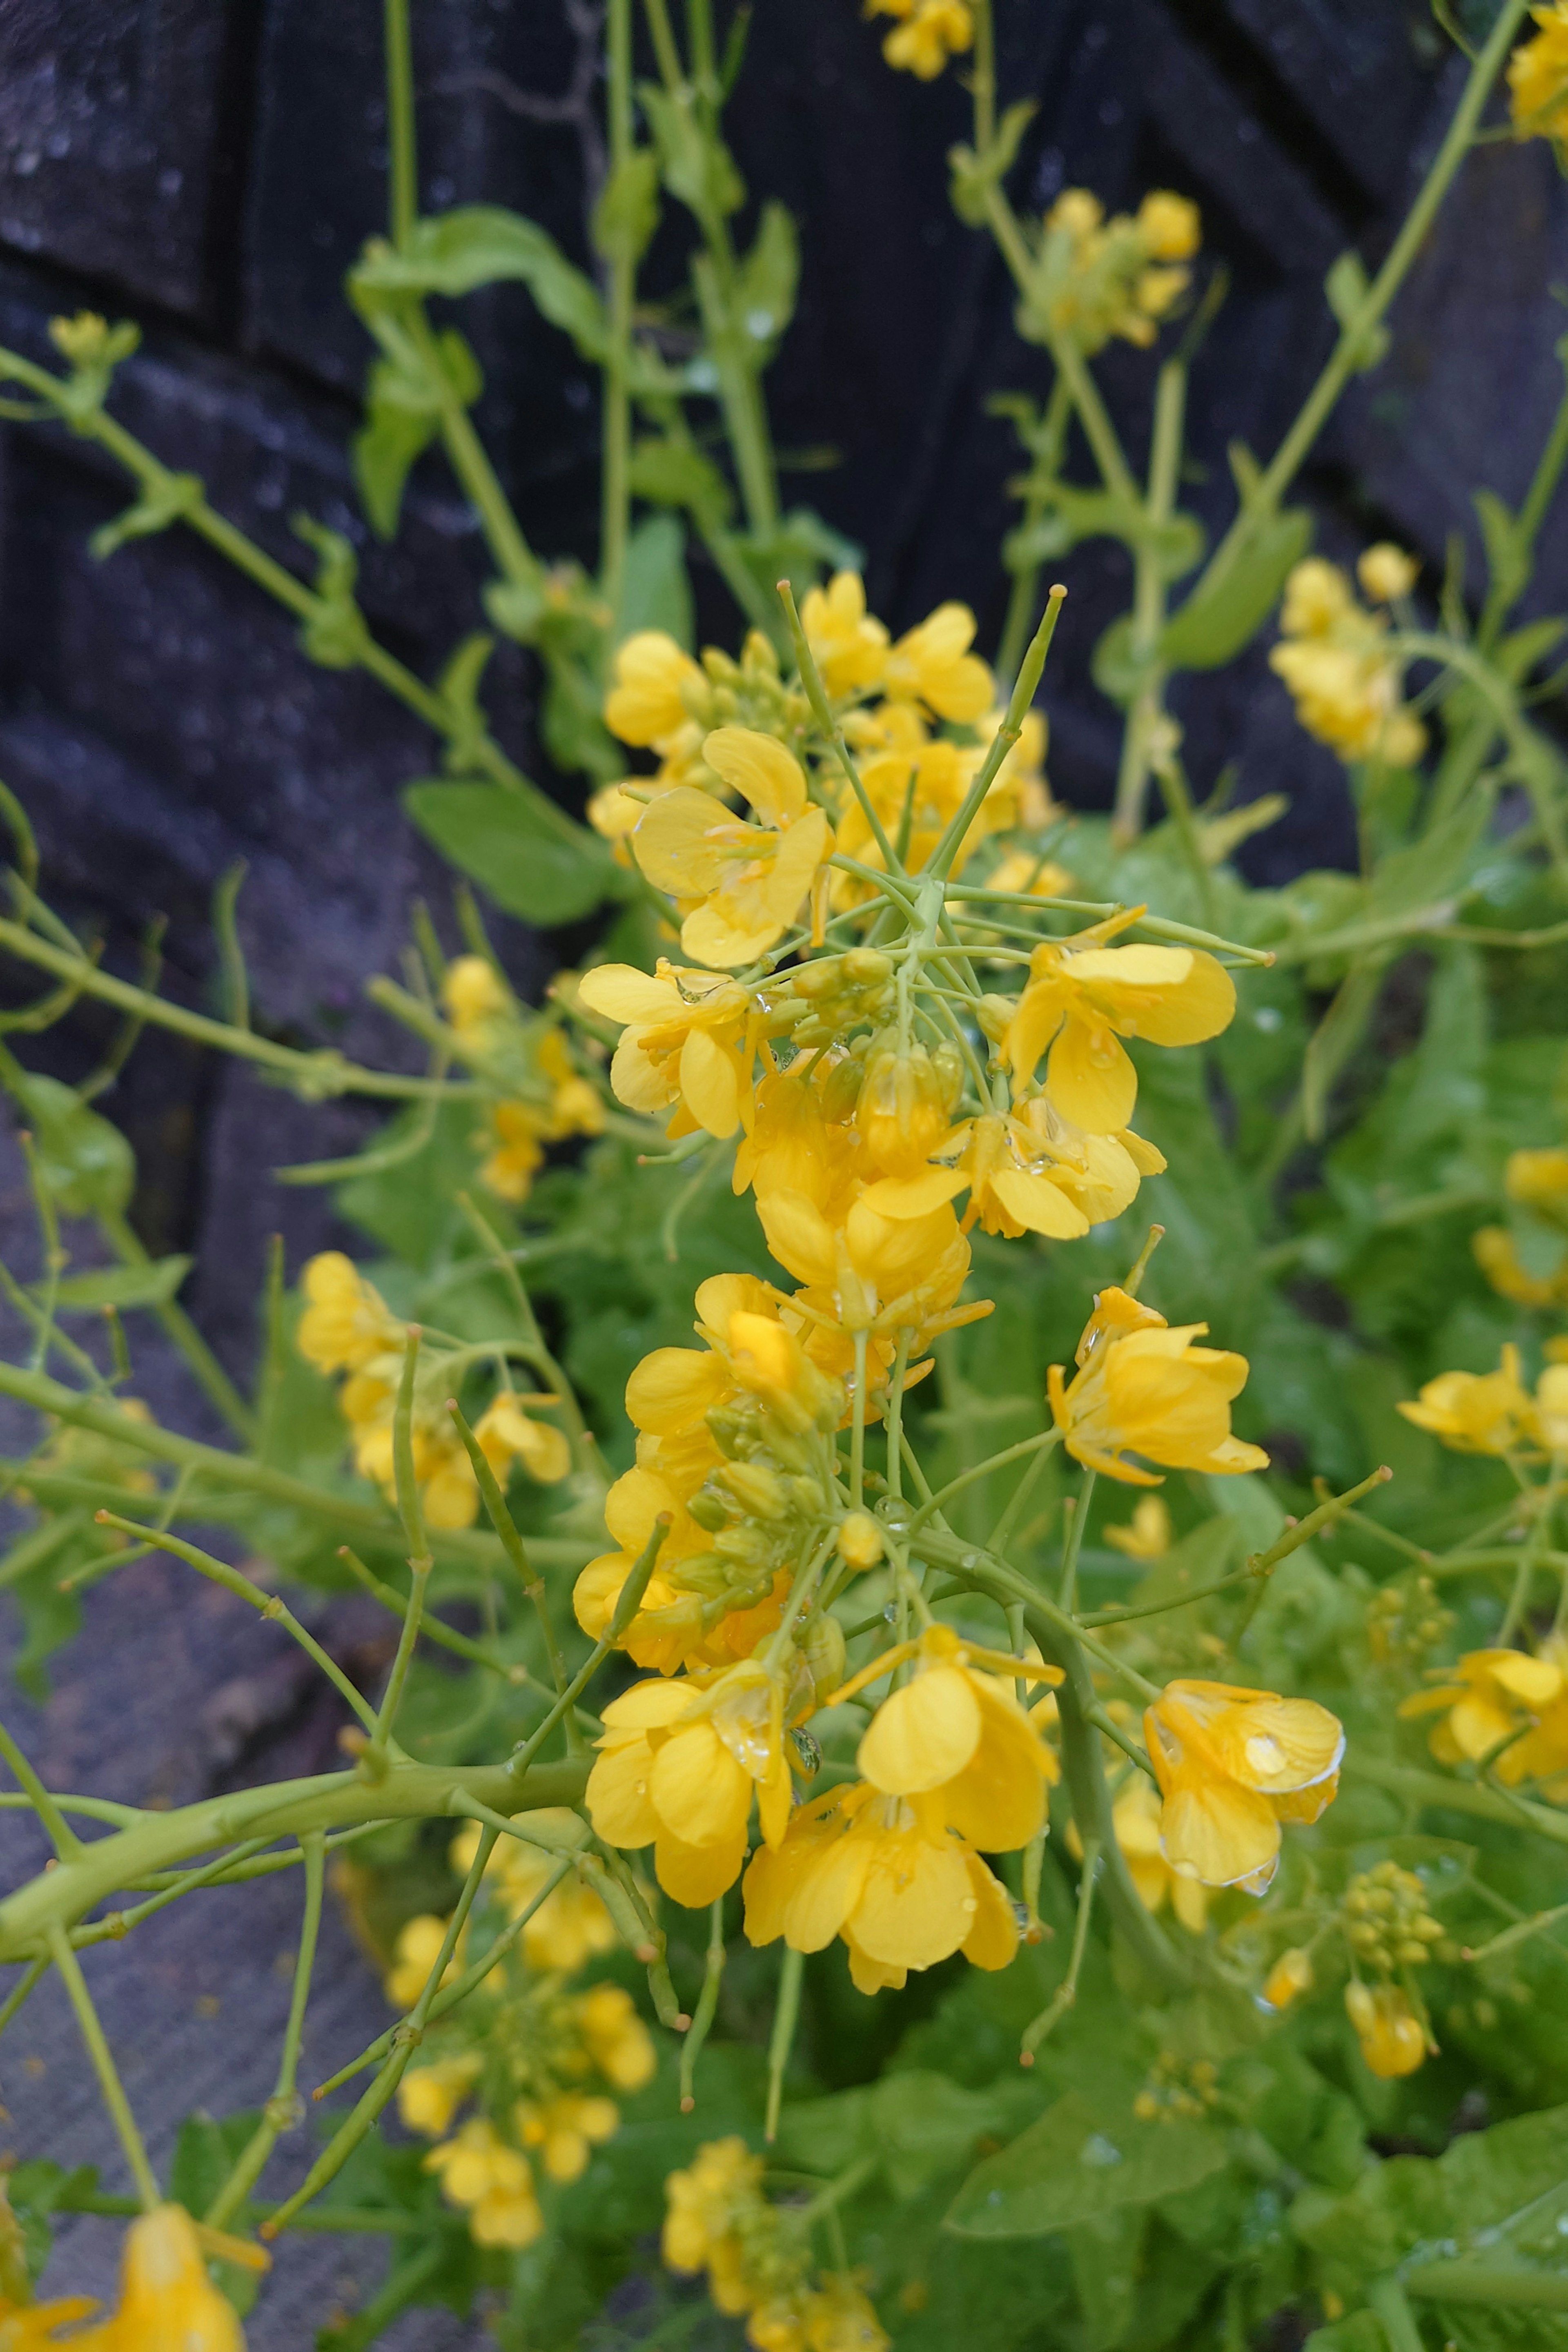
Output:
[[569, 1928], [490, 2181], [347, 1328], [1233, 1765], [1538, 79], [927, 34], [1099, 279], [1494, 1412], [553, 1100], [718, 2220], [167, 2302], [1335, 658]]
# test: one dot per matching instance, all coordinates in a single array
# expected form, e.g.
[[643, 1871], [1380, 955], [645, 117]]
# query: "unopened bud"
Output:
[[861, 1540], [1290, 1975]]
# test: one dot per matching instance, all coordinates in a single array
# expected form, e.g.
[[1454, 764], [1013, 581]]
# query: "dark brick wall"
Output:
[[212, 166]]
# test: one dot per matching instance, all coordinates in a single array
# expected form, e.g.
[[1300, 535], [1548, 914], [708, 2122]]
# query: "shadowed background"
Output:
[[211, 167]]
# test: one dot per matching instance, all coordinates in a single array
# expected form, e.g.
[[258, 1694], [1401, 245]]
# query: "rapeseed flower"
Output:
[[1135, 1818], [932, 666], [739, 885], [685, 1041], [657, 685], [617, 2041], [1084, 996], [429, 2097], [929, 32], [849, 645], [1233, 1765], [1143, 1388], [955, 1732], [1538, 79], [1291, 1975], [1477, 1413], [566, 2129], [1097, 278], [1335, 659], [886, 1875], [167, 2302], [677, 1765], [1496, 1695]]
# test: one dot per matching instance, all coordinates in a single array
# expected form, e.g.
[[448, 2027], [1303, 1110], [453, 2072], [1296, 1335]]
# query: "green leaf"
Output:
[[50, 1618], [697, 169], [674, 474], [1114, 666], [1219, 618], [152, 1285], [626, 214], [797, 547], [205, 2154], [1080, 2160], [461, 693], [163, 504], [974, 175], [335, 635], [520, 859], [1346, 288], [485, 245], [37, 2190], [1518, 652], [766, 282], [658, 593], [403, 398], [86, 1163], [1507, 557]]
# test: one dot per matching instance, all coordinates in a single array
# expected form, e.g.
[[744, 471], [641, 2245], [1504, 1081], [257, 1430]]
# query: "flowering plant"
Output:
[[850, 1838]]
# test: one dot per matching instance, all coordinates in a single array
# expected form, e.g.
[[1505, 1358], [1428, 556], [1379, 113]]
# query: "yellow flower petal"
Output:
[[759, 768], [922, 1735]]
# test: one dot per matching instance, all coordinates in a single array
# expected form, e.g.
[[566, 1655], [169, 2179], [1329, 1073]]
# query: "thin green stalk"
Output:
[[420, 1560], [266, 1604], [858, 1427], [283, 2110], [117, 1925], [1042, 1442], [816, 696], [1024, 595], [1146, 719], [1519, 1933], [707, 2007], [512, 1543], [30, 1978], [1073, 1544], [402, 153], [786, 2014], [940, 863], [53, 1254], [1066, 1994], [60, 1834], [615, 492], [1503, 593], [108, 2082]]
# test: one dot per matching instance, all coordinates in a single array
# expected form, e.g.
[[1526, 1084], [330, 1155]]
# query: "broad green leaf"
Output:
[[1080, 2160], [152, 1285], [484, 245], [658, 593], [86, 1163], [527, 863], [1222, 616], [1114, 666]]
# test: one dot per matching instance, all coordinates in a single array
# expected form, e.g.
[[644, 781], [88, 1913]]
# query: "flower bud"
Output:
[[861, 1540], [822, 1654], [757, 1489], [902, 1114], [1290, 1975]]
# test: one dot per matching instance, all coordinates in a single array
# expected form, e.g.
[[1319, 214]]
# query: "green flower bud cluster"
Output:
[[1385, 1919]]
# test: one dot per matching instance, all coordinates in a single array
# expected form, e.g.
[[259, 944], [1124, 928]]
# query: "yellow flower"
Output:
[[1143, 1388], [1392, 2038], [1489, 1696], [839, 2319], [429, 2096], [1538, 1179], [1100, 278], [567, 2130], [849, 645], [917, 785], [491, 2182], [956, 1733], [1030, 1171], [618, 2042], [571, 1925], [886, 1875], [677, 1766], [933, 665], [654, 681], [1135, 1817], [742, 883], [1084, 996], [1147, 1535], [1538, 77], [1497, 1255], [419, 1942], [683, 1041], [346, 1323], [1232, 1765], [167, 2302], [506, 1434], [703, 2204], [1289, 1979], [931, 31], [1477, 1413], [1386, 573], [34, 2326], [472, 995], [1025, 873]]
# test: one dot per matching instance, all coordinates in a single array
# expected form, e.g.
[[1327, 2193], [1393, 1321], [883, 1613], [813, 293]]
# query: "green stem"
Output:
[[1146, 719], [402, 155], [615, 492], [707, 2007], [1497, 2285], [1073, 1544], [283, 2110], [940, 863], [1066, 1993], [786, 2014], [211, 1378], [61, 1836], [1024, 595], [108, 2082]]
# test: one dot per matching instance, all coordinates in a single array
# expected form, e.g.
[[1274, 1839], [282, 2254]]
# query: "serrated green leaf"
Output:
[[1217, 620], [526, 865], [1080, 2160]]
